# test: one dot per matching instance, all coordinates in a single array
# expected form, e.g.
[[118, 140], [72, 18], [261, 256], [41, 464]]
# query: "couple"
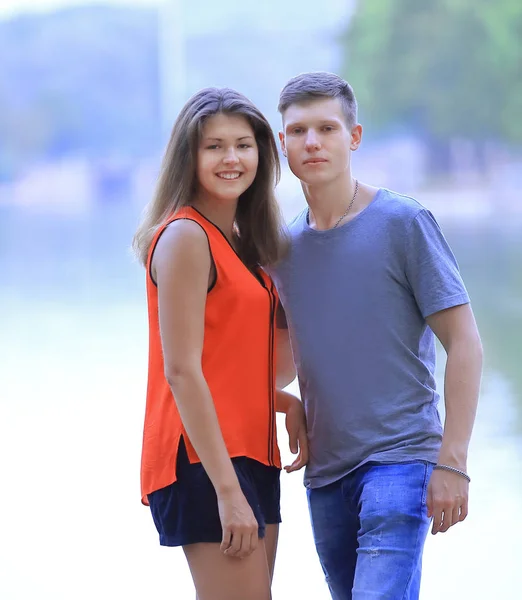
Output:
[[353, 294]]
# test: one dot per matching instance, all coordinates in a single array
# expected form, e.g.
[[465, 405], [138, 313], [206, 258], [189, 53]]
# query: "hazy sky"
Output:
[[205, 16], [12, 7]]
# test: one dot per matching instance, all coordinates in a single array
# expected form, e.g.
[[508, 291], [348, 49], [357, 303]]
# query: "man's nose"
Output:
[[312, 141]]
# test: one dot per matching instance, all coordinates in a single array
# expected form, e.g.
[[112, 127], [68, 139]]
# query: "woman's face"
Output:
[[227, 157]]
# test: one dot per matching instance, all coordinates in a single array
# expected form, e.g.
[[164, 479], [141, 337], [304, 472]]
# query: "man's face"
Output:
[[317, 140]]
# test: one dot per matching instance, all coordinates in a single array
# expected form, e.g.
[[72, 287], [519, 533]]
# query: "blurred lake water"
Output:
[[72, 387]]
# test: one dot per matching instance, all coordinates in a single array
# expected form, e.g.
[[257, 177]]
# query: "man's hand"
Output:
[[447, 500], [296, 427]]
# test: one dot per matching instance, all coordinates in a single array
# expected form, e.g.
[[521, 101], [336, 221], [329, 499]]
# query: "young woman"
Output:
[[210, 462]]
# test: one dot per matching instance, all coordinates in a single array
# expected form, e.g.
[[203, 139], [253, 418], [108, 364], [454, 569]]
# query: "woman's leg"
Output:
[[220, 577], [271, 537]]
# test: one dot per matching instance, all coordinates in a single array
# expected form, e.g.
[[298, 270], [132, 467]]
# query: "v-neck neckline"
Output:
[[260, 279]]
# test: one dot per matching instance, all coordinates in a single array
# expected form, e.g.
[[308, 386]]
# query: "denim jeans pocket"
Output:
[[427, 474]]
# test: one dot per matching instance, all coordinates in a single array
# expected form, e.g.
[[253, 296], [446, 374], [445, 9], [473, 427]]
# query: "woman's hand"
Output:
[[240, 527]]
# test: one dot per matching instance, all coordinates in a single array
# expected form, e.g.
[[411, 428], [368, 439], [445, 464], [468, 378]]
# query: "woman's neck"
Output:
[[223, 215]]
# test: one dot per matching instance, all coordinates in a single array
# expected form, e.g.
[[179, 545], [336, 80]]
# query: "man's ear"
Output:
[[282, 142], [356, 137]]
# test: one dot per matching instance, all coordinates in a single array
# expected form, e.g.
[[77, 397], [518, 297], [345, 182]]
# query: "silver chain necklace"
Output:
[[349, 207]]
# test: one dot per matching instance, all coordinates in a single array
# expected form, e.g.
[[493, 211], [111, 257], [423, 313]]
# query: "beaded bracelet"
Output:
[[453, 470]]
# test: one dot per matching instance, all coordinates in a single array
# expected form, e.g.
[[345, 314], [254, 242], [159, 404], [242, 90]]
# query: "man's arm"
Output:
[[285, 368], [448, 492], [295, 419], [295, 422]]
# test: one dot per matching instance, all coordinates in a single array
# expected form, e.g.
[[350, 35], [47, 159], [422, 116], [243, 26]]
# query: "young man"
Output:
[[368, 281]]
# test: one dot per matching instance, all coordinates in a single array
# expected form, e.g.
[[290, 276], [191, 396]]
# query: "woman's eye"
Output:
[[212, 147], [243, 146]]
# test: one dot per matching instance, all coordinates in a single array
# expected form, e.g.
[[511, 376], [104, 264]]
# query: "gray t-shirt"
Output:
[[356, 298]]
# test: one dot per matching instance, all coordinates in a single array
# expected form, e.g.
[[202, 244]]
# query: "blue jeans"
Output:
[[369, 530]]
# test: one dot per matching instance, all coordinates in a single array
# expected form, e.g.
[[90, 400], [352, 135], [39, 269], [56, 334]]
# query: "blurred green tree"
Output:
[[442, 69]]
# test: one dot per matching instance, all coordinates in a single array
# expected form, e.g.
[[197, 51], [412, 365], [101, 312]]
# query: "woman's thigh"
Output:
[[220, 577]]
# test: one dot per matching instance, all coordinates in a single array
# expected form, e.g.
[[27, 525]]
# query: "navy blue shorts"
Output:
[[186, 512]]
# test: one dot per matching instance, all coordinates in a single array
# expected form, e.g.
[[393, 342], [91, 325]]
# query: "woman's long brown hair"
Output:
[[258, 218]]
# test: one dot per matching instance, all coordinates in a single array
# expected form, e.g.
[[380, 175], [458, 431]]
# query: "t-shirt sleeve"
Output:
[[431, 267]]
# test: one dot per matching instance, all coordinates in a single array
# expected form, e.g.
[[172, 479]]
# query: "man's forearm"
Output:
[[284, 401], [461, 391]]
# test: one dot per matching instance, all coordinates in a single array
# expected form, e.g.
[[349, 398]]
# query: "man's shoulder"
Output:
[[401, 204], [295, 225], [293, 232], [399, 211]]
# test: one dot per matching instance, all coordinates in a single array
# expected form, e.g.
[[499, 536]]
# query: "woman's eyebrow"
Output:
[[244, 137]]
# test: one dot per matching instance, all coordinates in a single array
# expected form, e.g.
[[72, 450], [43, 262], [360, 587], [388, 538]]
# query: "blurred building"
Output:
[[253, 47]]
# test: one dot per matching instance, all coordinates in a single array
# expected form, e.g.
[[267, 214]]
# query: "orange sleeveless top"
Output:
[[238, 364]]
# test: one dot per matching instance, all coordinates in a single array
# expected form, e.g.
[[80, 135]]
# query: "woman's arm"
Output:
[[182, 266]]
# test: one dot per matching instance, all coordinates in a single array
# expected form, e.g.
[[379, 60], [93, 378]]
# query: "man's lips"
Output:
[[313, 161]]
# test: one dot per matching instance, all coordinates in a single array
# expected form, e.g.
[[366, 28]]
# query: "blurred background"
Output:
[[88, 94]]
